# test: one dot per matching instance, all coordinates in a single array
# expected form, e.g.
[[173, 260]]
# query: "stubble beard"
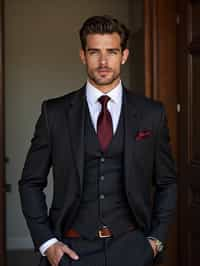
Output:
[[101, 81]]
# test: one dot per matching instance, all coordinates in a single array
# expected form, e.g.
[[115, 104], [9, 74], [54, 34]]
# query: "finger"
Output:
[[55, 253], [55, 261], [58, 260], [71, 253]]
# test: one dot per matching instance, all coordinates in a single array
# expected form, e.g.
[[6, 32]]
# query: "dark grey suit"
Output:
[[59, 141]]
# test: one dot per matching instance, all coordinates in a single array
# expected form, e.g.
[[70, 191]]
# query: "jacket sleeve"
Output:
[[34, 180], [165, 182]]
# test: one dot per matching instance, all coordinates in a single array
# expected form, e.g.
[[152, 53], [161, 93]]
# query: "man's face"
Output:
[[103, 58]]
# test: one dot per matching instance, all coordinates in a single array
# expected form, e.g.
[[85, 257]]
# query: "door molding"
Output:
[[2, 169], [160, 58], [160, 78], [150, 46]]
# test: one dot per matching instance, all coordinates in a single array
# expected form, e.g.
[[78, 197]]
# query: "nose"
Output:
[[103, 59]]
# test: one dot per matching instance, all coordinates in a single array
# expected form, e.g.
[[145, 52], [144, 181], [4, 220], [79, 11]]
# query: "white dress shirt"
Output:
[[114, 106]]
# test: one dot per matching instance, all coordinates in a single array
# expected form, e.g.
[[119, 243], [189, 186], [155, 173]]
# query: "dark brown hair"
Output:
[[102, 25]]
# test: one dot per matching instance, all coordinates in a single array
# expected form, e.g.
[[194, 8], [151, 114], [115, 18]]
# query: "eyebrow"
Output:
[[108, 49], [114, 49], [92, 49]]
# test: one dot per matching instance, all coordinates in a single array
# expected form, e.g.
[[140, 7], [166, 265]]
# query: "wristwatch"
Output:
[[159, 245]]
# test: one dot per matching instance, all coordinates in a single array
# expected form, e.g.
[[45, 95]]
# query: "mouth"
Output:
[[103, 71]]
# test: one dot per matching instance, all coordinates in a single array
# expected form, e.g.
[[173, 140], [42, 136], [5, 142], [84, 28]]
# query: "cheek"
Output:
[[116, 64], [92, 63], [115, 61]]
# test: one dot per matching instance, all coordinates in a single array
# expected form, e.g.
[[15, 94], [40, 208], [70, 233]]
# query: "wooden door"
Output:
[[189, 130], [160, 80]]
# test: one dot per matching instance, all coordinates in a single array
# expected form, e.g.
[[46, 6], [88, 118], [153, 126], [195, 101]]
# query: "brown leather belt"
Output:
[[72, 233], [104, 232]]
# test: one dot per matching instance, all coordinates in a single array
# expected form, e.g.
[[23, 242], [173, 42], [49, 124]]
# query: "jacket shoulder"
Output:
[[149, 111], [145, 104], [60, 103], [62, 99]]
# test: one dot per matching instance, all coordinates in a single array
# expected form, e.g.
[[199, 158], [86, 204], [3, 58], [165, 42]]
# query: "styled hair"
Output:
[[103, 25]]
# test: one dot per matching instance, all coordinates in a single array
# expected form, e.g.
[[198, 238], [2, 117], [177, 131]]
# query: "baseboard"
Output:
[[19, 243]]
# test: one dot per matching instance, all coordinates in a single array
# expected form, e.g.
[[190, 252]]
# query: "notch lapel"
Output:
[[76, 121], [131, 125]]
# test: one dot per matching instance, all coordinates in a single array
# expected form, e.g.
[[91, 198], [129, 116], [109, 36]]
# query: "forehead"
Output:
[[103, 40]]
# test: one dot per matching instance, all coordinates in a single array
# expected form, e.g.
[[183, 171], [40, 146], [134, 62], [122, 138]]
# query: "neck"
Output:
[[105, 88]]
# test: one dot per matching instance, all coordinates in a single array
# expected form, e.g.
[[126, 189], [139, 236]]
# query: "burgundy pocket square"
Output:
[[143, 134]]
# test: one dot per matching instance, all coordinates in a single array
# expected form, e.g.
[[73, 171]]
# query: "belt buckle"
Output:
[[100, 232], [101, 235]]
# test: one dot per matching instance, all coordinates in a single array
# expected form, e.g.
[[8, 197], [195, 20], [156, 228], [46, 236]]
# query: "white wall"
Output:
[[42, 43]]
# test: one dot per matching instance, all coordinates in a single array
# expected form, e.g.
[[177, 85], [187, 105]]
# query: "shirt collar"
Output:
[[92, 93]]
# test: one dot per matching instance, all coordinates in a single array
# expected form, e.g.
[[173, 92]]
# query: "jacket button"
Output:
[[102, 196], [102, 160]]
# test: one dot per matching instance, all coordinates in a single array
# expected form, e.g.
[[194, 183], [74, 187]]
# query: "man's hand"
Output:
[[153, 245], [55, 252]]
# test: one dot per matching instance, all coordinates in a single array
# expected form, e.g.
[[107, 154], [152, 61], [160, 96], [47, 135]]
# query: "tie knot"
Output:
[[104, 100]]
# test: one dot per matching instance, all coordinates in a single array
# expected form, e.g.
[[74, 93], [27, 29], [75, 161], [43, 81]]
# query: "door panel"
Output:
[[160, 80], [195, 103], [189, 146]]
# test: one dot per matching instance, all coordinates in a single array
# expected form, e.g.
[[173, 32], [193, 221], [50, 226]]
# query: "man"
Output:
[[107, 147]]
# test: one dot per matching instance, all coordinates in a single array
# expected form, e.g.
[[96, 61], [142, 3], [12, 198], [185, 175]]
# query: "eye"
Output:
[[112, 52], [93, 52]]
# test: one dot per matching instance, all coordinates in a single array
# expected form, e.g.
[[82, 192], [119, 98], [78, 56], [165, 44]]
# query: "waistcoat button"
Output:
[[102, 196]]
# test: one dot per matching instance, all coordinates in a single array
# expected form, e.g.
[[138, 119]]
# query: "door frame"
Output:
[[2, 142]]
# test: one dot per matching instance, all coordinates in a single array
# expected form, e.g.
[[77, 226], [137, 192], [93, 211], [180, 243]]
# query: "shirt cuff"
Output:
[[46, 245]]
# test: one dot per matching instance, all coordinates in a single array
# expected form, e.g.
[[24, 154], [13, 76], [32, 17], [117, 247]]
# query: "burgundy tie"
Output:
[[104, 124]]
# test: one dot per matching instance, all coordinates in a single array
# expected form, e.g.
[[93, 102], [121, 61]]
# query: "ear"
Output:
[[82, 56], [125, 55]]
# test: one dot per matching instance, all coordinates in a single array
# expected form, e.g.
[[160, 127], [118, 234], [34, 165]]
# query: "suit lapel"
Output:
[[76, 121], [131, 125]]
